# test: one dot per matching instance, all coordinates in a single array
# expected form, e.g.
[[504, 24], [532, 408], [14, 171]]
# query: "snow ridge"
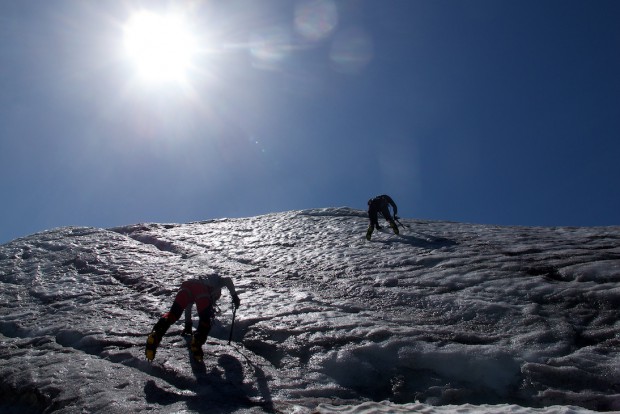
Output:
[[444, 317]]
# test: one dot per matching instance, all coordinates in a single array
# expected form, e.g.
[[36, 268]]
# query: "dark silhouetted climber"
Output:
[[380, 204], [205, 292]]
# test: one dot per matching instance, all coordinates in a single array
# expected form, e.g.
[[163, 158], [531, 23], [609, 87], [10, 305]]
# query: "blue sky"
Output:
[[498, 112]]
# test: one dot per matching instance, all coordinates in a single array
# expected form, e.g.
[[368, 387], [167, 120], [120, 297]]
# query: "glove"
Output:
[[236, 301]]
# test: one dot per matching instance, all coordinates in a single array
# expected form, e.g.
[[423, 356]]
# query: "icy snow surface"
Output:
[[445, 318]]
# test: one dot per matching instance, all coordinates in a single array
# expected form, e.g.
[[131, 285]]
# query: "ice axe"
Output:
[[232, 325]]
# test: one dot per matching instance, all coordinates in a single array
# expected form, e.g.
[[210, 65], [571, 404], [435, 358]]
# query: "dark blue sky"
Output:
[[498, 112]]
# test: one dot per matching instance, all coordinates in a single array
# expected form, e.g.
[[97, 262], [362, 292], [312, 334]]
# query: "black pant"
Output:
[[376, 207]]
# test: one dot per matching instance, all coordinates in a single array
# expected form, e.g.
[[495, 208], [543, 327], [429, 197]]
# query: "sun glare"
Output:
[[161, 46]]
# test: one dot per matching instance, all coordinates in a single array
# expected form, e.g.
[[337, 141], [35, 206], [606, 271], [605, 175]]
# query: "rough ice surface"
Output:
[[445, 318]]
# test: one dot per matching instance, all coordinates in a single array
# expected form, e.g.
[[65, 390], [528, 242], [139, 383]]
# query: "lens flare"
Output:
[[316, 19]]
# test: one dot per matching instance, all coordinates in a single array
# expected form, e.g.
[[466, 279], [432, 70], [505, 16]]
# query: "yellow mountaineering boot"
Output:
[[152, 342], [197, 351], [154, 338]]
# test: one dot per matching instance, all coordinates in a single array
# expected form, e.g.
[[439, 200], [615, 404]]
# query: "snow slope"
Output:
[[444, 318]]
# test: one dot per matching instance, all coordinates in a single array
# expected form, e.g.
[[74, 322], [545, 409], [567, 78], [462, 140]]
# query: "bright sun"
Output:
[[161, 46]]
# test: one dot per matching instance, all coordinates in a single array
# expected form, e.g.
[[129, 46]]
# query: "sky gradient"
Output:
[[494, 112]]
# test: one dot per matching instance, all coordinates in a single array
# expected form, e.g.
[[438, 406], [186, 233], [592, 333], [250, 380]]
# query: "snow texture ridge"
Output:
[[445, 317]]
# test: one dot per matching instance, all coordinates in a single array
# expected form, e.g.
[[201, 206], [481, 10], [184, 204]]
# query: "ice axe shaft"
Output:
[[232, 325]]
